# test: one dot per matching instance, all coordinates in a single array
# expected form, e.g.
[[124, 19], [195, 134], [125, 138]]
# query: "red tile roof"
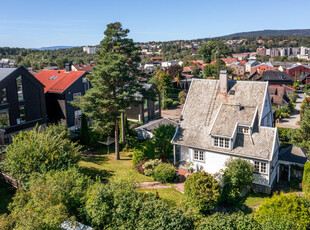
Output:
[[57, 81]]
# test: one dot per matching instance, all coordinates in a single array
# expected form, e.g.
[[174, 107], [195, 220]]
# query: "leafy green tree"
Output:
[[202, 191], [306, 181], [225, 221], [52, 198], [213, 50], [284, 211], [238, 176], [164, 82], [40, 151], [114, 81], [301, 137], [162, 139]]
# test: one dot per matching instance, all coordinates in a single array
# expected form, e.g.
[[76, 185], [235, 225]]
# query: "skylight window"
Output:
[[54, 77]]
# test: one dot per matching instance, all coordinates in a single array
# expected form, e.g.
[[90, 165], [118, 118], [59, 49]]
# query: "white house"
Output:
[[223, 119], [250, 64]]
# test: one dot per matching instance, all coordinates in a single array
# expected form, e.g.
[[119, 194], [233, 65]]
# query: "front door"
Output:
[[284, 172]]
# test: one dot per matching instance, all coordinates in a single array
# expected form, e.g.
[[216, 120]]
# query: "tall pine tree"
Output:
[[114, 83]]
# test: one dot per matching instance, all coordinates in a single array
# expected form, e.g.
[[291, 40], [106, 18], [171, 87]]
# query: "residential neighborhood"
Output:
[[122, 119]]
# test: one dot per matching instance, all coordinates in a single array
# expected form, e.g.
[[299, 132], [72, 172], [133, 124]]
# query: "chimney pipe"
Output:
[[68, 67], [223, 81]]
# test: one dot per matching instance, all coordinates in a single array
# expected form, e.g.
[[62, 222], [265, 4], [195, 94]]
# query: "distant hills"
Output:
[[300, 32], [56, 47]]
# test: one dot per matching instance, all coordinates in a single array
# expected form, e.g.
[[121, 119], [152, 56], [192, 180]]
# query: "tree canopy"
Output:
[[213, 50]]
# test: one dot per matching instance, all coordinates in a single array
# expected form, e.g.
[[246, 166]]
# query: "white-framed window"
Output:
[[76, 95], [260, 167], [199, 155], [221, 142], [243, 130]]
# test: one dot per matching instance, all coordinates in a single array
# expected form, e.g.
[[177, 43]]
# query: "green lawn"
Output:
[[6, 194], [255, 199], [108, 168], [173, 197]]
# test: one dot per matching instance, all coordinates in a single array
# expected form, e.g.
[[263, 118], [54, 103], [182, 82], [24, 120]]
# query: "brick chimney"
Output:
[[223, 81]]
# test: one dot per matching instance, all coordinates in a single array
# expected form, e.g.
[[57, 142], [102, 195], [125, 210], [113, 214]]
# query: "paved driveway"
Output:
[[295, 117]]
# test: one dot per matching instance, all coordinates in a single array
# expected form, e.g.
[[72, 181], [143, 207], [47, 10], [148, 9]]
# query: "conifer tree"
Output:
[[114, 83]]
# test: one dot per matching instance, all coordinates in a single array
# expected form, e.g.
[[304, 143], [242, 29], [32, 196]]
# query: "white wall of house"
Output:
[[213, 162]]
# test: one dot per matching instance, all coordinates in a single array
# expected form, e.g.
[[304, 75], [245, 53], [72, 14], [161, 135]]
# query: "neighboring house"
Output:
[[250, 64], [297, 70], [146, 131], [157, 59], [238, 68], [304, 78], [254, 76], [83, 67], [22, 102], [146, 109], [277, 77], [241, 56], [291, 163], [261, 68], [278, 96], [166, 64], [223, 119], [228, 61], [62, 87]]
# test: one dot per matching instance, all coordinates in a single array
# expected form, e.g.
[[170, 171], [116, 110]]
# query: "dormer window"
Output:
[[221, 142], [244, 130]]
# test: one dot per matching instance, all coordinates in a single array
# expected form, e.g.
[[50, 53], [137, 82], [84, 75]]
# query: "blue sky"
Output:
[[37, 23]]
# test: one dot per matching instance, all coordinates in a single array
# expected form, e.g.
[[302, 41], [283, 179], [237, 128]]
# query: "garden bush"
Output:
[[175, 103], [202, 191], [149, 166], [118, 206], [182, 97], [284, 211], [238, 177], [145, 149], [51, 198], [137, 156], [306, 181], [40, 150], [223, 221], [168, 103], [164, 173]]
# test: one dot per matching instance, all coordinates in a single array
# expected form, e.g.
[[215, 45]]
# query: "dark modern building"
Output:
[[277, 77], [22, 102], [62, 87], [147, 109]]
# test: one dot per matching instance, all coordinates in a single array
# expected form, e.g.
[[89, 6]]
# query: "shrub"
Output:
[[223, 221], [182, 97], [164, 173], [144, 150], [175, 103], [202, 191], [52, 198], [284, 211], [139, 167], [238, 175], [137, 156], [149, 166], [306, 181], [118, 206], [40, 150], [168, 103]]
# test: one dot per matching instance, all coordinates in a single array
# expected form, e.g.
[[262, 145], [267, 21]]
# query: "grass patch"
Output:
[[255, 199], [173, 197], [6, 195], [108, 168]]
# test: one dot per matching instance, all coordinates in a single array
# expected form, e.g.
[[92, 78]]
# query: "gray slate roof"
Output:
[[196, 119], [229, 116], [4, 72]]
